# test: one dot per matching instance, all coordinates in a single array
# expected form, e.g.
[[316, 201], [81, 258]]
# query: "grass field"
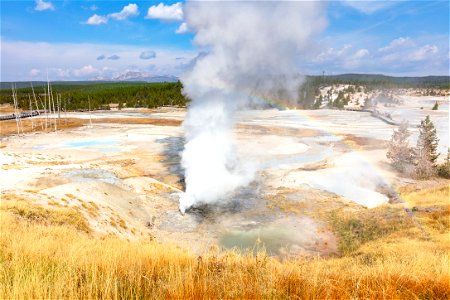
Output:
[[51, 253]]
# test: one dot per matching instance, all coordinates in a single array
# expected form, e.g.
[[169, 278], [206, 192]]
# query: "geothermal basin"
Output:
[[126, 177]]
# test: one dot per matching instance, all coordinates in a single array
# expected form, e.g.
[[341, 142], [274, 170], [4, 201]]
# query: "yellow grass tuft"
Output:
[[56, 259], [23, 210]]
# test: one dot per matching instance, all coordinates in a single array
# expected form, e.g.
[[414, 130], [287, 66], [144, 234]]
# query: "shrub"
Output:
[[444, 170]]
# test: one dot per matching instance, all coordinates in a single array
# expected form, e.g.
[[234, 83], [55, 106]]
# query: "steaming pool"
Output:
[[101, 145]]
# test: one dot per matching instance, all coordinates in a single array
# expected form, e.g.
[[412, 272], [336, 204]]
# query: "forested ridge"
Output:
[[77, 95], [101, 95]]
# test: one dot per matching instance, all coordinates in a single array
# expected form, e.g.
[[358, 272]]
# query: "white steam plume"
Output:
[[247, 44]]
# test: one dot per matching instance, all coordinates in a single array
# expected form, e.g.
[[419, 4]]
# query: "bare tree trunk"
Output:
[[58, 99], [16, 110], [31, 112], [37, 106], [48, 98], [90, 117], [54, 111]]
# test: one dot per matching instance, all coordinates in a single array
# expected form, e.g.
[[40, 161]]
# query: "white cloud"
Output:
[[368, 6], [355, 60], [344, 57], [423, 53], [402, 56], [164, 12], [127, 11], [114, 57], [97, 20], [361, 53], [34, 72], [42, 5], [147, 54], [182, 29], [70, 61], [406, 51], [397, 43], [332, 54], [86, 70]]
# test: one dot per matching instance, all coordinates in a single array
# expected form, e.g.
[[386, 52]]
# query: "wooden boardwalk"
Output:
[[22, 115], [377, 115]]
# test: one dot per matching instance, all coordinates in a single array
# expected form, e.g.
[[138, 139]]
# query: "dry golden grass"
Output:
[[9, 127], [23, 210], [57, 260], [431, 207], [8, 109]]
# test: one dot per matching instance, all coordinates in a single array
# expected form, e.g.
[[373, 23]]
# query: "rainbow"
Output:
[[315, 123]]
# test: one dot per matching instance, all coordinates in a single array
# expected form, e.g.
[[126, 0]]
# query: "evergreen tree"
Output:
[[428, 141], [436, 106], [367, 103], [399, 152], [444, 169], [426, 150], [318, 102]]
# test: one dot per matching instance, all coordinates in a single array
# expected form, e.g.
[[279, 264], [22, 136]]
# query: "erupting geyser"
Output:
[[243, 44]]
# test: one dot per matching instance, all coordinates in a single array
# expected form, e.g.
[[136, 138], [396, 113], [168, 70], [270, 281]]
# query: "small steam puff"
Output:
[[245, 46]]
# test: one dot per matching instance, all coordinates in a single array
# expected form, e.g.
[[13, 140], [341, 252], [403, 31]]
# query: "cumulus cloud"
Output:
[[164, 12], [130, 10], [85, 70], [344, 57], [101, 57], [65, 60], [97, 20], [423, 53], [182, 29], [127, 11], [400, 42], [147, 54], [42, 5], [355, 59], [406, 51], [114, 57], [332, 54], [401, 56], [361, 53], [34, 72]]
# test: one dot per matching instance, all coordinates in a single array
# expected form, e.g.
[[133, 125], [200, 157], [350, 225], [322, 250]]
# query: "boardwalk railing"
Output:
[[22, 115], [376, 114]]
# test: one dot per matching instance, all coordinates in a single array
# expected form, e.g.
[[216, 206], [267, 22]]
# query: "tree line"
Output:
[[99, 96], [419, 161], [76, 96]]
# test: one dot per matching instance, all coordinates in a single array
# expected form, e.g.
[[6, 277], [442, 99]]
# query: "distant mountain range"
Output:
[[142, 76], [131, 76]]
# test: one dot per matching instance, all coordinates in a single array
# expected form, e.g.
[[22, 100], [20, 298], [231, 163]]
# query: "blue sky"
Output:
[[82, 40]]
